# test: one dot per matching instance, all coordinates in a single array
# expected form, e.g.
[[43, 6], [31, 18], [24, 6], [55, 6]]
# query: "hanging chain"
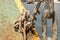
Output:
[[24, 22], [48, 14]]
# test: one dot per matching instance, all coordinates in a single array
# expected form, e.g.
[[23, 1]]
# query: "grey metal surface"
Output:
[[31, 7]]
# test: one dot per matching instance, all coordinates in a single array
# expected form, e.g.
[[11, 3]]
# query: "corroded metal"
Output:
[[30, 1], [54, 26], [26, 21], [48, 14]]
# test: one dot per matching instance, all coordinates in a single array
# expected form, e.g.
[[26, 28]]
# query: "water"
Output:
[[31, 7]]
